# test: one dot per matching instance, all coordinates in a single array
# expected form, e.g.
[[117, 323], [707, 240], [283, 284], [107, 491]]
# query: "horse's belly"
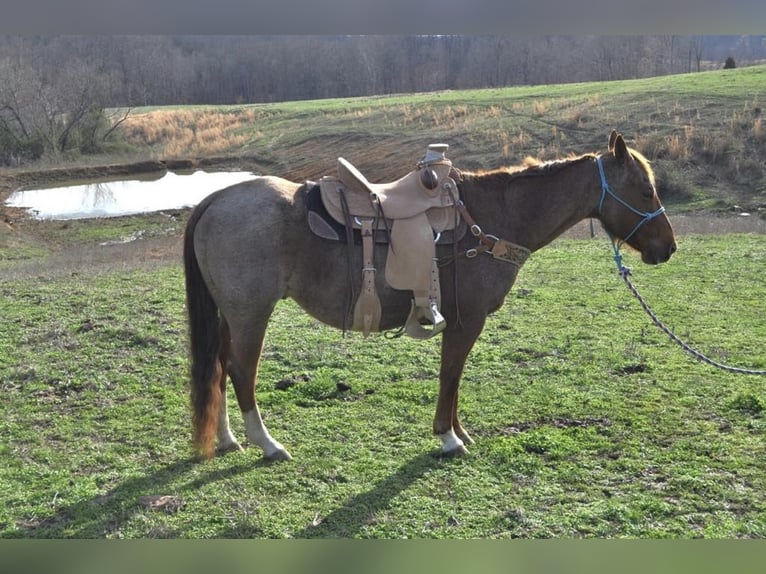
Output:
[[330, 301]]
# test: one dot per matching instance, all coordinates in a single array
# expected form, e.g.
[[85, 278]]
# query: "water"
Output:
[[124, 197]]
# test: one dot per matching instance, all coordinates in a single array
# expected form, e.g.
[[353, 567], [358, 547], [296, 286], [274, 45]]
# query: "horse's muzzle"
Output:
[[657, 254]]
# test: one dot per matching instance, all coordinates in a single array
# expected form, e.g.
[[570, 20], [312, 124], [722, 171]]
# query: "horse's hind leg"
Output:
[[225, 438], [246, 347]]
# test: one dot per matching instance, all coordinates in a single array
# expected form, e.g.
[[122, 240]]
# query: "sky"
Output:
[[385, 17]]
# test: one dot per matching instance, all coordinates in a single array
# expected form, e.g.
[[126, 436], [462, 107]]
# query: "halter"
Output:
[[644, 215], [625, 272], [605, 189]]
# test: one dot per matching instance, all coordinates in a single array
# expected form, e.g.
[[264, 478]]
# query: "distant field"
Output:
[[588, 422], [703, 131]]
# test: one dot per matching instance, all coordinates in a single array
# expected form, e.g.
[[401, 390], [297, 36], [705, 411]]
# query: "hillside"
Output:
[[703, 133]]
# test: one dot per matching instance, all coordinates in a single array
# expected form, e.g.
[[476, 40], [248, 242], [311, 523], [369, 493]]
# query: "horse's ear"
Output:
[[612, 137], [620, 149]]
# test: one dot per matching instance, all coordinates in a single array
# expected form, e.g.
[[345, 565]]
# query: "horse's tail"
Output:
[[205, 344]]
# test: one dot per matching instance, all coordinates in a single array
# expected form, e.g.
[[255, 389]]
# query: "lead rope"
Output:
[[624, 273]]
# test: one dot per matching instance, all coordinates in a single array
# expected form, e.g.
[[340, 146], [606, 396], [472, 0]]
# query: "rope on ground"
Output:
[[624, 273]]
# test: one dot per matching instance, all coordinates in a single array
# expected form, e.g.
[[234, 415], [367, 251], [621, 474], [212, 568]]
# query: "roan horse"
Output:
[[248, 246]]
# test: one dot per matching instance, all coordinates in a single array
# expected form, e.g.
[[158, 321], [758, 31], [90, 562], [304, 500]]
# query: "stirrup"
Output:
[[424, 314]]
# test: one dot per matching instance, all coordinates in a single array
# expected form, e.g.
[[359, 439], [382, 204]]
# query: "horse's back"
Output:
[[239, 234], [257, 199]]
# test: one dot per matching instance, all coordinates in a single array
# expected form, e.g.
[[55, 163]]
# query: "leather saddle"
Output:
[[411, 213]]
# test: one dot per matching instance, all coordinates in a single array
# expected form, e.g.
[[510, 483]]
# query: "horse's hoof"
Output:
[[452, 445], [466, 438], [455, 452], [280, 454], [228, 448]]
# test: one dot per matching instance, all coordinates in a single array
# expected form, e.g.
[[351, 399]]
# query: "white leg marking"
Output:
[[226, 439], [451, 443], [258, 433]]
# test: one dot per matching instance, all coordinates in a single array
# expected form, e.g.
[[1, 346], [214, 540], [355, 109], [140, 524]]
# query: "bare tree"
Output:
[[696, 48]]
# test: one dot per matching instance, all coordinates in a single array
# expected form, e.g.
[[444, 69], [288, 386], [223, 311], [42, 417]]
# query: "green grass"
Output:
[[703, 131], [588, 421]]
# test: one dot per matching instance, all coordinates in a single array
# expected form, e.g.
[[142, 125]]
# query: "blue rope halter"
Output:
[[645, 216]]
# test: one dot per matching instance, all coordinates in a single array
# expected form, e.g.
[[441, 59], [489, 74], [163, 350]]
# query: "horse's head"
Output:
[[629, 207]]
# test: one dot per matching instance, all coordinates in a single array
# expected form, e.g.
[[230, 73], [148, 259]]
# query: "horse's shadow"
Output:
[[348, 520], [103, 515]]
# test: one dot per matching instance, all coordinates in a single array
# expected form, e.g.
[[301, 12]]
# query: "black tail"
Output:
[[205, 344]]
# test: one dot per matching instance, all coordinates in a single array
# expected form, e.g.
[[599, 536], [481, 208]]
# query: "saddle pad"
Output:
[[321, 223], [326, 226]]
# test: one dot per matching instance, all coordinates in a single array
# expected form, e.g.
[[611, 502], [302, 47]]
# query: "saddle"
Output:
[[411, 214]]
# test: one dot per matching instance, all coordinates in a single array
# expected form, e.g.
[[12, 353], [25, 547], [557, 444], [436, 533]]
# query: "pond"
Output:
[[124, 197]]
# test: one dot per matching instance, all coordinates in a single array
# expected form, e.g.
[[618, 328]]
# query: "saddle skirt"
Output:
[[412, 211]]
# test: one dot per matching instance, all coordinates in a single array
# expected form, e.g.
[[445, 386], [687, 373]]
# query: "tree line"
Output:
[[54, 91]]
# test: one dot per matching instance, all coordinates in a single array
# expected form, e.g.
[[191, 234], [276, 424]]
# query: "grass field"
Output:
[[704, 131], [588, 422]]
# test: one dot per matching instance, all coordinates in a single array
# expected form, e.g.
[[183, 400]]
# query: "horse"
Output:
[[248, 246]]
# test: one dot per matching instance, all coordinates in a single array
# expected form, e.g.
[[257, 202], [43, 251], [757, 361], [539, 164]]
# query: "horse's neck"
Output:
[[533, 210]]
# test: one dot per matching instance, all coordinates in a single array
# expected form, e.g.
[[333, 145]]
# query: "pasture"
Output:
[[588, 421], [703, 132]]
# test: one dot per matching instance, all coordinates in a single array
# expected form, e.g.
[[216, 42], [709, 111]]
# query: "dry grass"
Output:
[[688, 142], [575, 117], [549, 152], [728, 149], [505, 142], [495, 112], [183, 133], [363, 112], [428, 116], [540, 108], [678, 147]]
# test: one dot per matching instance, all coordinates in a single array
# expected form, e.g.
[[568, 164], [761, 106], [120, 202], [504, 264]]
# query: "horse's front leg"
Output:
[[457, 343], [461, 433]]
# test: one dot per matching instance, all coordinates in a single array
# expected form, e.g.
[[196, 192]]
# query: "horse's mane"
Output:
[[533, 167], [528, 168], [641, 159]]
